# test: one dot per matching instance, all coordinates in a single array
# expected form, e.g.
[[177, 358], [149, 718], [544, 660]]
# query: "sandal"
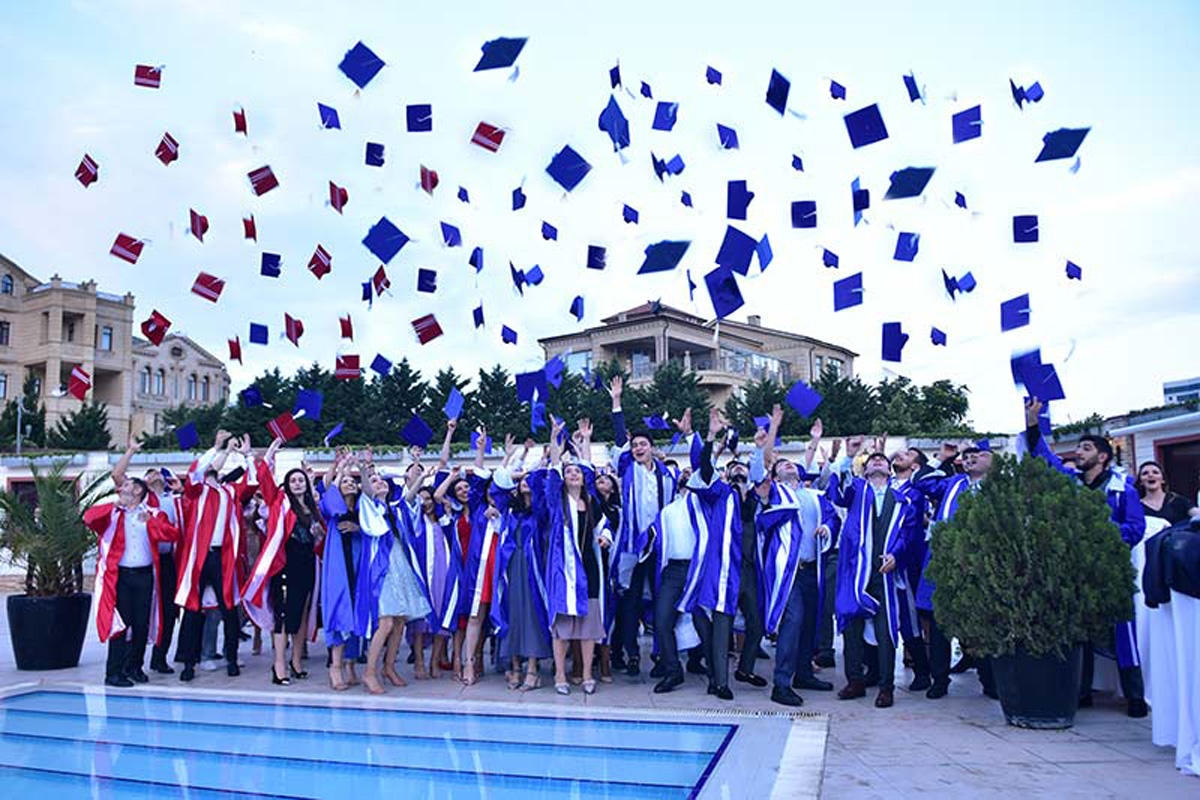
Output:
[[513, 679], [298, 674], [562, 688], [589, 687], [339, 684], [469, 678], [532, 681]]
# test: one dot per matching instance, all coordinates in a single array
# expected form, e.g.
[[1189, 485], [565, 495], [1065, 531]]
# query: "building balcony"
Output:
[[725, 369]]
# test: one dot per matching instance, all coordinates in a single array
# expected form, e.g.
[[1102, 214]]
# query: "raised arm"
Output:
[[585, 439], [444, 455], [119, 469], [439, 494], [772, 432], [1036, 444], [482, 446], [615, 388], [556, 428]]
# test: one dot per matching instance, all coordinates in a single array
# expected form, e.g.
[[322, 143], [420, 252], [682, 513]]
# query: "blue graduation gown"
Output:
[[781, 527], [422, 538], [372, 563], [566, 581], [522, 527], [943, 493], [337, 595]]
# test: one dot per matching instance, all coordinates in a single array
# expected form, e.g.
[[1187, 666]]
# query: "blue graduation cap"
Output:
[[727, 137], [860, 199], [258, 333], [333, 433], [518, 278], [660, 166], [966, 283], [577, 308], [508, 335], [374, 154], [554, 369], [596, 256], [518, 199], [737, 248], [804, 214], [567, 168], [419, 118], [910, 83], [848, 292], [906, 246], [614, 76], [966, 125], [764, 424], [451, 236], [655, 422], [381, 365], [837, 91], [686, 199], [454, 404], [663, 256], [1061, 143], [950, 284], [360, 65], [691, 286], [723, 291], [1074, 272], [384, 240], [960, 200], [765, 255], [417, 433], [797, 163], [908, 182], [533, 275], [894, 340], [803, 398], [187, 436], [629, 214], [487, 442], [537, 412], [777, 92], [309, 401], [549, 232], [665, 115], [476, 259], [712, 76], [938, 337], [271, 265], [829, 258], [251, 397], [865, 126], [1025, 228], [329, 116], [738, 199], [463, 195], [675, 165], [613, 122], [477, 315], [1034, 92], [499, 53], [1014, 313], [646, 91], [368, 293], [531, 384], [426, 281]]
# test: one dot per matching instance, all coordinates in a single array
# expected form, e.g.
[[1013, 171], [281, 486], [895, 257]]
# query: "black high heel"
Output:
[[278, 681], [297, 674]]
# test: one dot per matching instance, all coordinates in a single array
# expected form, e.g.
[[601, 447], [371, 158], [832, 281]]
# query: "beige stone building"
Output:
[[49, 328], [644, 337]]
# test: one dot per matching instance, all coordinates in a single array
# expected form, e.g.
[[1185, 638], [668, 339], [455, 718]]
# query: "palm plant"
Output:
[[49, 539]]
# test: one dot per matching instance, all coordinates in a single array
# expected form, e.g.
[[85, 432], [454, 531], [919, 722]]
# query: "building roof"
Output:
[[143, 347], [1182, 420]]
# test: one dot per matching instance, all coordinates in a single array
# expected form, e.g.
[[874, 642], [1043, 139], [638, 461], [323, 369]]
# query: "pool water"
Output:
[[137, 745]]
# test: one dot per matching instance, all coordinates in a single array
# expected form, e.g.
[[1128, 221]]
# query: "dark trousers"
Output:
[[127, 651], [798, 628], [939, 650], [855, 645], [825, 644], [714, 637], [670, 589], [191, 632], [748, 605], [1132, 685], [168, 580], [629, 609]]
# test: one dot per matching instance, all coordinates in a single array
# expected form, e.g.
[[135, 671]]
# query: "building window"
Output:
[[106, 338], [191, 387], [5, 332], [835, 366], [3, 384], [160, 382], [37, 385], [204, 390], [69, 331], [145, 381], [820, 364], [6, 284]]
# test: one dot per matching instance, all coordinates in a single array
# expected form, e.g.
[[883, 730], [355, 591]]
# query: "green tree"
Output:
[[943, 408], [849, 406], [33, 418], [207, 419], [83, 429], [391, 400], [276, 392], [672, 392], [495, 405]]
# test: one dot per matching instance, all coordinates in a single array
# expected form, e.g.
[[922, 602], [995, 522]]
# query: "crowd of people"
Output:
[[550, 558]]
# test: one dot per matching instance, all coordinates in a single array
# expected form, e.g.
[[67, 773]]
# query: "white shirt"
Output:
[[645, 485], [218, 535], [679, 537], [166, 501], [137, 539]]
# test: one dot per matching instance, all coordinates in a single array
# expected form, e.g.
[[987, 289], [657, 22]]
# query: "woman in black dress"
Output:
[[1157, 498]]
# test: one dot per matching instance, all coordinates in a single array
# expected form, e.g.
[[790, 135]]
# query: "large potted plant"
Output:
[[47, 538], [1028, 569]]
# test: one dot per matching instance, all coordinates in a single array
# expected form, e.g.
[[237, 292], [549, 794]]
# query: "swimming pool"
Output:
[[135, 745]]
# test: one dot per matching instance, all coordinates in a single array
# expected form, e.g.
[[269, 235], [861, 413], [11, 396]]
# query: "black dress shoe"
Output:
[[634, 667], [825, 660], [138, 676], [885, 698], [937, 690], [815, 684], [920, 683], [659, 670], [750, 678], [232, 670], [696, 667], [162, 667], [669, 683], [119, 681], [786, 697], [962, 665], [189, 673], [721, 692], [1137, 708]]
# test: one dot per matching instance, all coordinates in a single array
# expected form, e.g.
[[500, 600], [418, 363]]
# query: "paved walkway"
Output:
[[959, 746]]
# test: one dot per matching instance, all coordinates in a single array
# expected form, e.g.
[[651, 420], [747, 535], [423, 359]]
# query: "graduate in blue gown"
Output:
[[343, 546]]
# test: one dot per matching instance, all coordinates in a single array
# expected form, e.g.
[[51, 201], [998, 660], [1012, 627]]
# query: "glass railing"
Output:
[[752, 368]]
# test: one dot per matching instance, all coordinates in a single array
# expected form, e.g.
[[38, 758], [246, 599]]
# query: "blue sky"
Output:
[[1127, 70]]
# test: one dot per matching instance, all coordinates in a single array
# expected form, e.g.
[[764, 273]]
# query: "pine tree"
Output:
[[496, 405], [390, 402], [83, 429], [672, 392]]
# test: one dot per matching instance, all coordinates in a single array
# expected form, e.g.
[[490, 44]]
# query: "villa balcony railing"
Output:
[[731, 363]]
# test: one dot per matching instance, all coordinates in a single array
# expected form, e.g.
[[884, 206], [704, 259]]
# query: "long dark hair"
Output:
[[589, 518], [303, 505], [1166, 487]]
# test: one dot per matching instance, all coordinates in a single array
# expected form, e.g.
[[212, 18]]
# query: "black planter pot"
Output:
[[1040, 692], [48, 632]]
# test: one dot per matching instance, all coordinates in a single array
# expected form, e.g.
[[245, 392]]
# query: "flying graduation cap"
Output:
[[361, 65], [499, 53]]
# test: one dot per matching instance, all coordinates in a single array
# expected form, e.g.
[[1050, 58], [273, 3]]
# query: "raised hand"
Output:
[[716, 423], [585, 428], [222, 438], [510, 444], [816, 430], [853, 445], [243, 444], [684, 423], [615, 387], [837, 448], [776, 415], [451, 425], [1033, 407]]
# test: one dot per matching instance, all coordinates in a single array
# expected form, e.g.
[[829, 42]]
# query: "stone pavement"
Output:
[[958, 746]]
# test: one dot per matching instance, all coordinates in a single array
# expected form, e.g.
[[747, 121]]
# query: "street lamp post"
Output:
[[20, 422]]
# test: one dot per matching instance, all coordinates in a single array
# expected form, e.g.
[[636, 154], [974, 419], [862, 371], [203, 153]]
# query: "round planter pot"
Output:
[[1040, 692], [48, 632]]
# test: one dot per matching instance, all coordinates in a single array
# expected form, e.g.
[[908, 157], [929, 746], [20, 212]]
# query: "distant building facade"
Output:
[[177, 372], [645, 337], [1181, 391]]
